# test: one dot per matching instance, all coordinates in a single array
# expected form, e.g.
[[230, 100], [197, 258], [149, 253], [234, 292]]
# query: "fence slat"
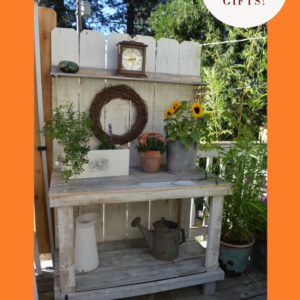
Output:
[[92, 49], [89, 87], [139, 209], [167, 57], [64, 45], [150, 51], [189, 58], [112, 50], [115, 222]]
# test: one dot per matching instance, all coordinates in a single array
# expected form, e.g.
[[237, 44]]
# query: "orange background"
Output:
[[16, 157]]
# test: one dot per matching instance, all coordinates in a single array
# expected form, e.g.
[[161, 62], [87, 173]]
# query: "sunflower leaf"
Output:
[[185, 140], [196, 136]]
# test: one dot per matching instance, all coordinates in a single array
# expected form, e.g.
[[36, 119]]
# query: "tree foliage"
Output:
[[236, 72], [130, 16]]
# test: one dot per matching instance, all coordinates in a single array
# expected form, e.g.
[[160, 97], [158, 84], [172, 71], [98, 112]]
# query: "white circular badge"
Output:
[[244, 13]]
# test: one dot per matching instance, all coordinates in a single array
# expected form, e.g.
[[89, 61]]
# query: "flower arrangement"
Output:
[[187, 122], [151, 141]]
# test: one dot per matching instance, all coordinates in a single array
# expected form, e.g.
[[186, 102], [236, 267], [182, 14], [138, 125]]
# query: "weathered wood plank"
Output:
[[151, 76], [112, 50], [89, 87], [147, 93], [189, 58], [66, 249], [64, 45], [150, 51], [140, 209], [214, 233], [115, 221], [185, 218], [117, 112], [167, 58], [92, 49], [148, 288]]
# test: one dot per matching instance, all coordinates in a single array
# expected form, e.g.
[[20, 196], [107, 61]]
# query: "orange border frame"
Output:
[[283, 125], [16, 123]]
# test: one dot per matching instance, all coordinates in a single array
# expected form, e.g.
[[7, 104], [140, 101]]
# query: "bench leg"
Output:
[[66, 249], [209, 288]]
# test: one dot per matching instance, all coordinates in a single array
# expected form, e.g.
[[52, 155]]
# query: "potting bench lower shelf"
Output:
[[127, 268]]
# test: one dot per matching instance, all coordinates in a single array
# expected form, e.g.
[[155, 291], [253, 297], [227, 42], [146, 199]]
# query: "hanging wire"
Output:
[[234, 41]]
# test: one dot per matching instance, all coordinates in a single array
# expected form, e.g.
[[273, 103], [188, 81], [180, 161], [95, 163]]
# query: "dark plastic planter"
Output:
[[234, 258]]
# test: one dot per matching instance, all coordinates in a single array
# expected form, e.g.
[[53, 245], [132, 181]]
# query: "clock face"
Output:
[[132, 59]]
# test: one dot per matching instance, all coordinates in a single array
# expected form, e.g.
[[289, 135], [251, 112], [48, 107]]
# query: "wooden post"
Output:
[[47, 22], [213, 243], [66, 249]]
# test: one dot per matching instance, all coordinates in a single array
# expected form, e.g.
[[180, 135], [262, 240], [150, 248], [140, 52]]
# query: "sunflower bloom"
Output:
[[169, 112], [197, 110], [175, 105]]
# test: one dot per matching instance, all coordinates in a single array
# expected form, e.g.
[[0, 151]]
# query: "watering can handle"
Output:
[[182, 236]]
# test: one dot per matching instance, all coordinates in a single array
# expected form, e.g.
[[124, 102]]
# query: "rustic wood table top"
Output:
[[137, 186]]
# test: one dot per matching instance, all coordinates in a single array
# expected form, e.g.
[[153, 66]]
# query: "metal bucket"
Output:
[[181, 159]]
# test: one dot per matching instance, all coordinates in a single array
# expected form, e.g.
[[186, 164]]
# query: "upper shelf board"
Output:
[[111, 74]]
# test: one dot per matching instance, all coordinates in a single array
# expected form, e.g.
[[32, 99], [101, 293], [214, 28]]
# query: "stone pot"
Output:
[[234, 258], [150, 161], [181, 159]]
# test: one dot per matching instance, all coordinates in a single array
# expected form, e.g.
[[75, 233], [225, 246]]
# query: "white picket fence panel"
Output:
[[100, 52]]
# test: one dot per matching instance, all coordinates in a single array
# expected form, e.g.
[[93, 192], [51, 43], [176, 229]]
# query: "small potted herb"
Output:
[[151, 147], [72, 130], [245, 166]]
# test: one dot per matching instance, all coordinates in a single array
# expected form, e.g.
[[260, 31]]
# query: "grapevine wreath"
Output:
[[123, 92]]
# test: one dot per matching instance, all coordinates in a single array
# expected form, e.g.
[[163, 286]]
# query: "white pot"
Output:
[[86, 253], [104, 163]]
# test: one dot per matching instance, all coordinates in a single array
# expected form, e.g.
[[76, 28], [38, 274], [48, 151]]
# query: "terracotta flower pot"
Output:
[[150, 161]]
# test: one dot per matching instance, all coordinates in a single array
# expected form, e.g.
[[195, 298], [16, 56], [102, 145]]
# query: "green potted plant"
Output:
[[151, 147], [245, 166], [185, 126], [72, 130]]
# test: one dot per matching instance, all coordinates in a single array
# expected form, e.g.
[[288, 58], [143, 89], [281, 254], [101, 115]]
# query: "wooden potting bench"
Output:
[[126, 267]]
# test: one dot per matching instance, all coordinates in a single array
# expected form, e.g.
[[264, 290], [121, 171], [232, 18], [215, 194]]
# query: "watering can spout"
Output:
[[147, 234]]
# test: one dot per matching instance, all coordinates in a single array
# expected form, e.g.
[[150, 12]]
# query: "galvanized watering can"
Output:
[[164, 240]]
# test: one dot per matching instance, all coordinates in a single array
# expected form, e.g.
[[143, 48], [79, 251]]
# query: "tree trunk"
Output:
[[130, 18]]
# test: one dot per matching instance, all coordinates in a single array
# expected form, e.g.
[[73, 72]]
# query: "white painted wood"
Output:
[[214, 233], [112, 50], [141, 210], [185, 217], [160, 209], [165, 94], [147, 93], [117, 112], [89, 87], [185, 92], [66, 92], [105, 163], [111, 74], [189, 58], [150, 51], [92, 49], [66, 249], [64, 45], [115, 222], [167, 57]]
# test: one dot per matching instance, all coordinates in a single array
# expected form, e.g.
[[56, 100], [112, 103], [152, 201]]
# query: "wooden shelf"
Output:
[[111, 74], [128, 269]]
